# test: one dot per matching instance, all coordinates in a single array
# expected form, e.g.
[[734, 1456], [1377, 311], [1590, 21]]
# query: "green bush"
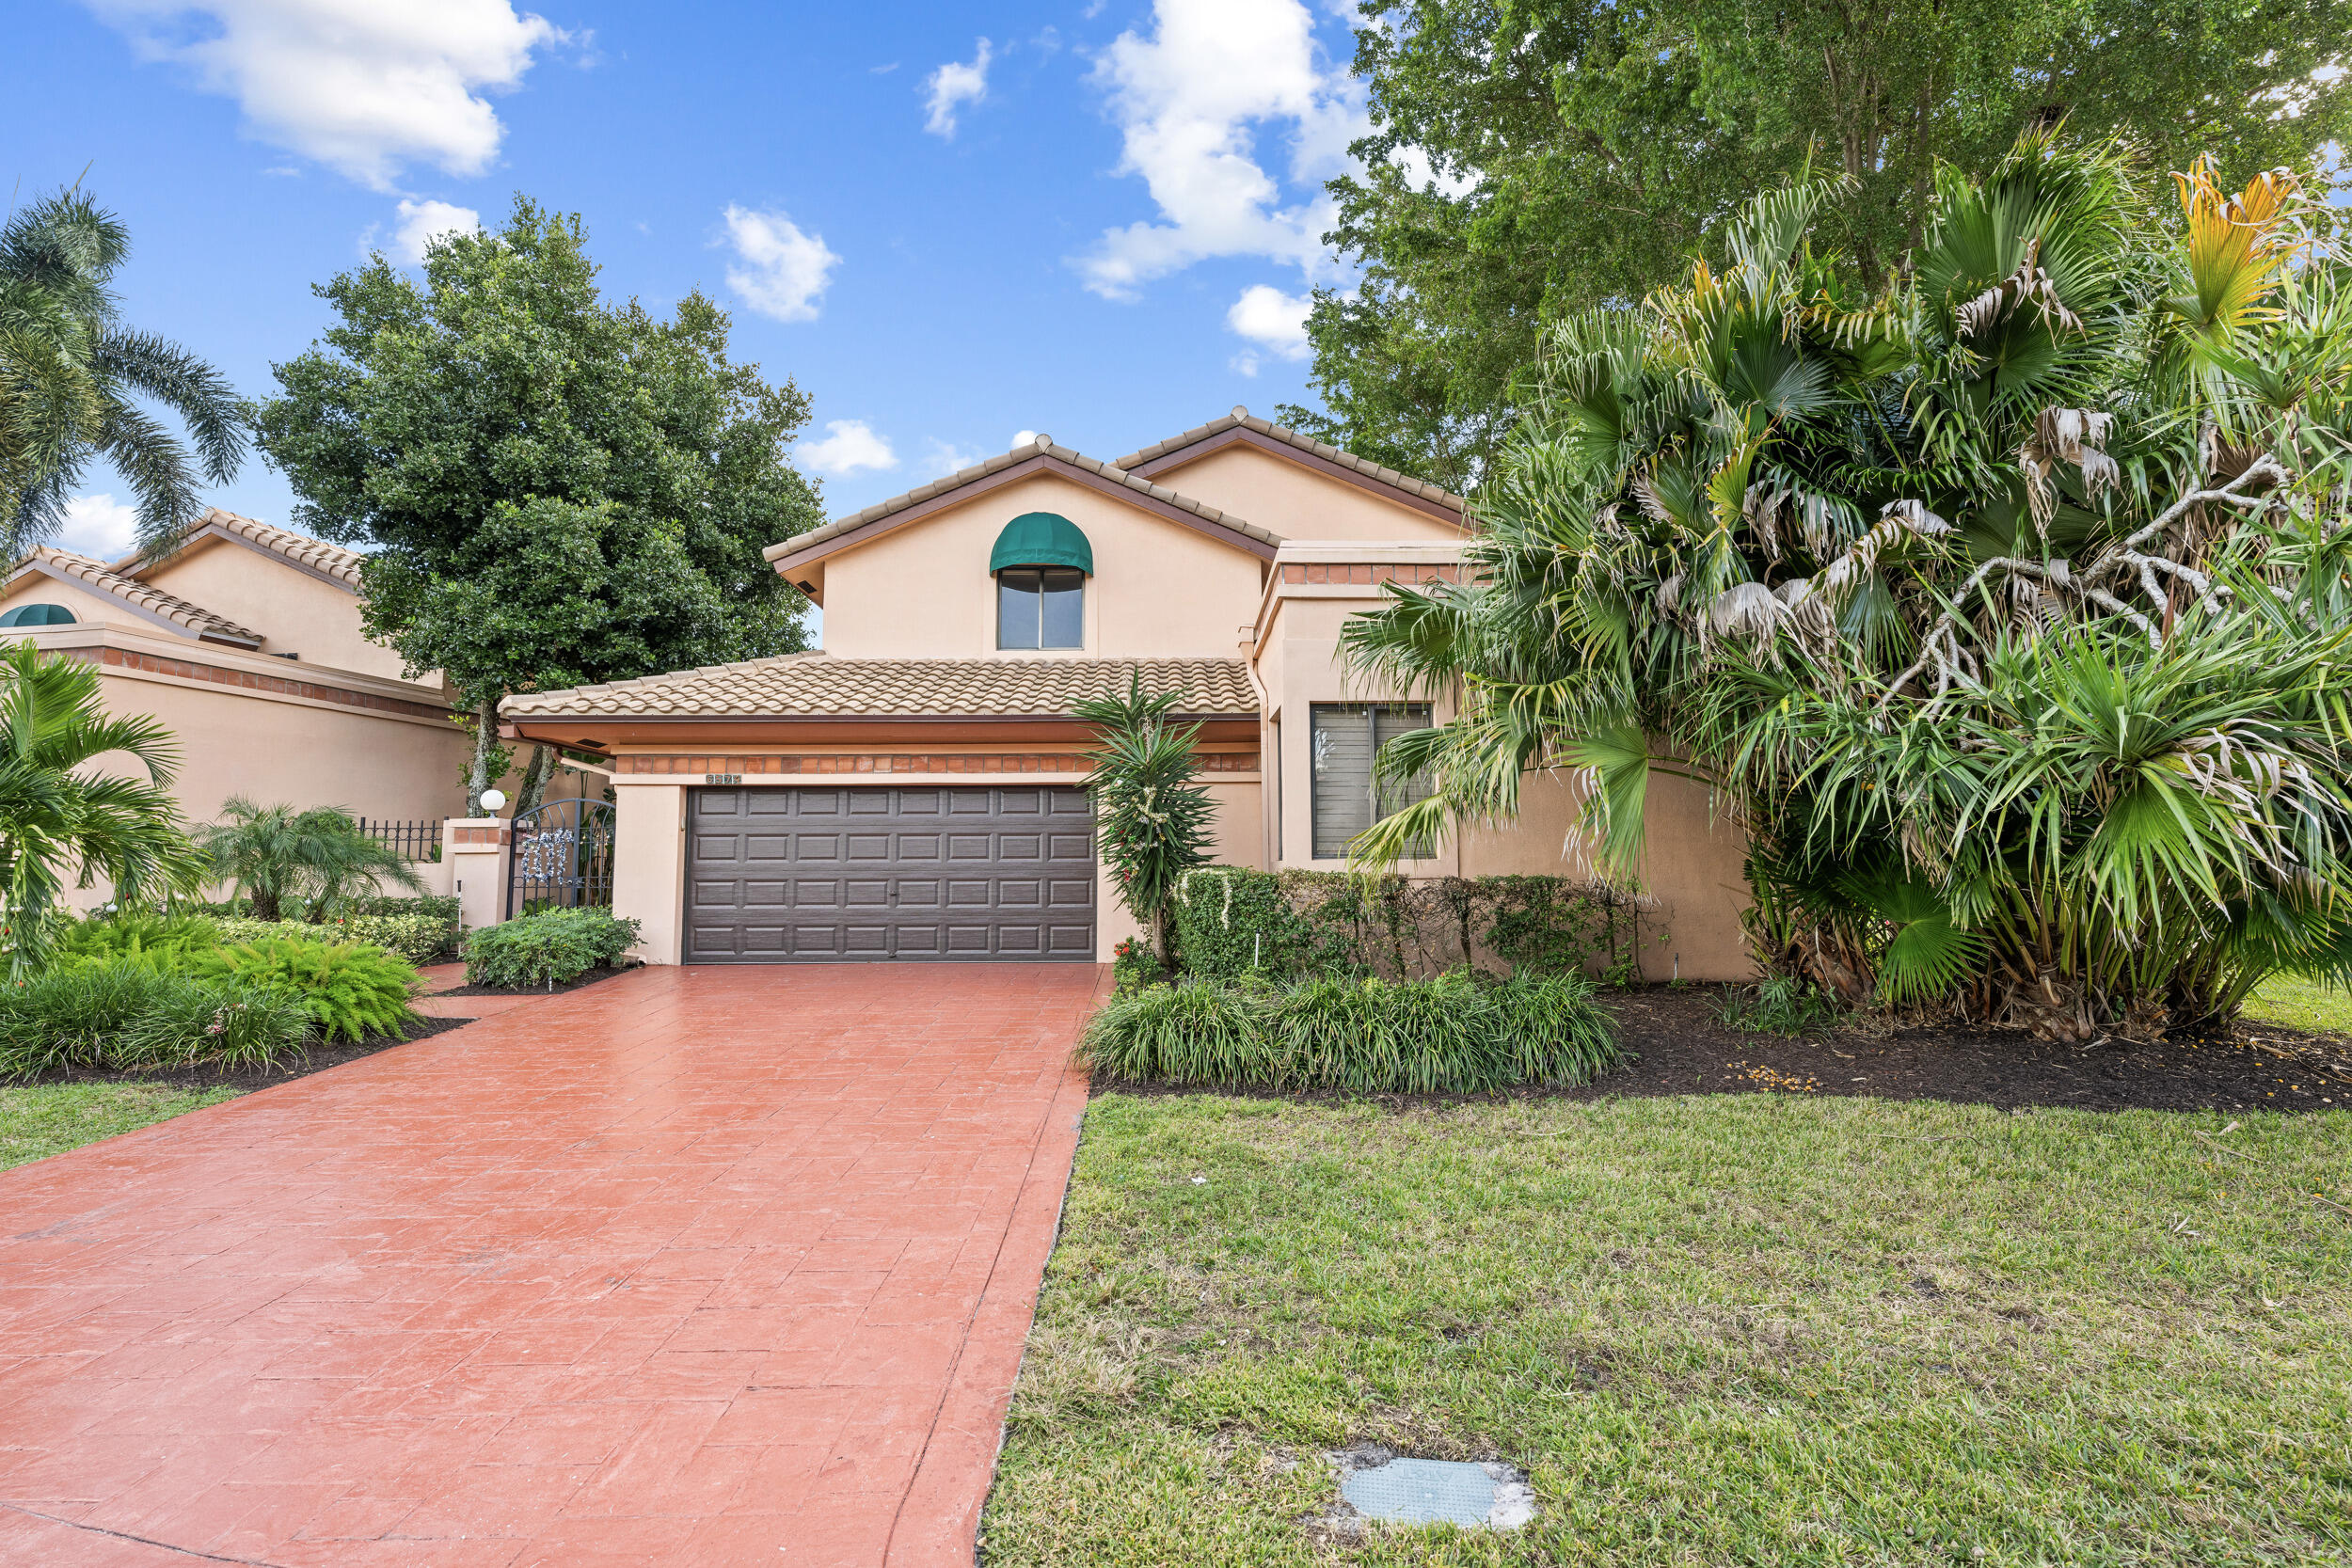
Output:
[[417, 938], [74, 1015], [1232, 920], [352, 991], [159, 941], [1454, 1034], [1779, 1004], [231, 1022], [550, 949]]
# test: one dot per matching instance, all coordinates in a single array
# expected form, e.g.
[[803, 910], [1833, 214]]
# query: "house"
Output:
[[244, 641], [912, 791]]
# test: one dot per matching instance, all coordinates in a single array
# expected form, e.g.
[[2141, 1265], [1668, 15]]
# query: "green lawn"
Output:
[[2303, 1003], [1721, 1330], [41, 1119]]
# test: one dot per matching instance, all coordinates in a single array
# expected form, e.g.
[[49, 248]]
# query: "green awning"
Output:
[[41, 615], [1041, 539]]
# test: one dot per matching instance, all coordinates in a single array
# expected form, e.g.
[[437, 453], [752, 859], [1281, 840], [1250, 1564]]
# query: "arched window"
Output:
[[36, 615], [1040, 564]]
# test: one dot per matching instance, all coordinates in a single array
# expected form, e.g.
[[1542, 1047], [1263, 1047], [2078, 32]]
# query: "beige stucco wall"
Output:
[[1296, 501], [649, 865], [924, 590], [297, 613]]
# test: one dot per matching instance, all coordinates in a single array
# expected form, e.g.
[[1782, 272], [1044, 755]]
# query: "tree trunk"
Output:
[[485, 736], [537, 774], [264, 902]]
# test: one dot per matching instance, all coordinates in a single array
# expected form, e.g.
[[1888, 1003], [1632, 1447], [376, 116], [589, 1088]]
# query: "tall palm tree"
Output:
[[58, 821], [71, 372], [2002, 605], [272, 854]]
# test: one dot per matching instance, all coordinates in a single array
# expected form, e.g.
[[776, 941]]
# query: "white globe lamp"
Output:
[[492, 799]]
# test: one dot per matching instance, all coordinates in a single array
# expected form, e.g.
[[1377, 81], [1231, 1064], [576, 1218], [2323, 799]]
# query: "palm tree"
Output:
[[70, 370], [55, 821], [2001, 605], [272, 854]]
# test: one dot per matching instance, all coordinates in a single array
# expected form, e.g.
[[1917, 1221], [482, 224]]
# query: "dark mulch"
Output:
[[588, 978], [1681, 1048], [318, 1059]]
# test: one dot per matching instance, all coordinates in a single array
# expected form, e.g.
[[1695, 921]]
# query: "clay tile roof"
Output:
[[329, 560], [1002, 461], [821, 685], [105, 579], [1289, 438]]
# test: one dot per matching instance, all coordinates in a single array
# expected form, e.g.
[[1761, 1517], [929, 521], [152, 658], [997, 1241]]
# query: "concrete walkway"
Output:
[[701, 1266]]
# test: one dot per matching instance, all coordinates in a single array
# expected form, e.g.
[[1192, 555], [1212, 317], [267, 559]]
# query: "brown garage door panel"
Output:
[[878, 872]]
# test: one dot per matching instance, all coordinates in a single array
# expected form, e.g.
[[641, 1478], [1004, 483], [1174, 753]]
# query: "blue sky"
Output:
[[949, 224]]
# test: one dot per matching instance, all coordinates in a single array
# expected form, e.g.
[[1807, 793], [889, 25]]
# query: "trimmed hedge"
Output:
[[1452, 1034], [1232, 920], [548, 949], [417, 938]]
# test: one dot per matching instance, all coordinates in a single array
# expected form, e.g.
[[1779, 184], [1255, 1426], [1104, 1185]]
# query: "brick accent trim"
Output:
[[1365, 572], [895, 761], [247, 680], [492, 837]]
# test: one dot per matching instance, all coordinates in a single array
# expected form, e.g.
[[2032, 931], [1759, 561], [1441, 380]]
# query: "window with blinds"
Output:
[[1341, 739]]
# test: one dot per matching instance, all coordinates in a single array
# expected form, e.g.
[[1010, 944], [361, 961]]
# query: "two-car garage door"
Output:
[[826, 874]]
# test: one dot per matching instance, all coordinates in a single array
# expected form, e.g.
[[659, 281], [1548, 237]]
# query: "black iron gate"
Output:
[[563, 858]]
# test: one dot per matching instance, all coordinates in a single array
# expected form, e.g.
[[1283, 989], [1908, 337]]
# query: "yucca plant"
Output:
[[352, 992], [1152, 815], [2001, 605]]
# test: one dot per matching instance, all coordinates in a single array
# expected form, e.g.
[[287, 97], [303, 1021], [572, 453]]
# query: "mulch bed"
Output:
[[1682, 1048], [590, 977], [319, 1059]]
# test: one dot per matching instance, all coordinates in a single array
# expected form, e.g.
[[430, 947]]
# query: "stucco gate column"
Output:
[[480, 851]]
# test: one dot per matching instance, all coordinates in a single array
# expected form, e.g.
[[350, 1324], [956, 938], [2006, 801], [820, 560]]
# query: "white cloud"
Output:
[[362, 86], [1190, 102], [783, 272], [420, 223], [1272, 321], [953, 86], [1022, 438], [99, 525], [941, 458], [851, 447]]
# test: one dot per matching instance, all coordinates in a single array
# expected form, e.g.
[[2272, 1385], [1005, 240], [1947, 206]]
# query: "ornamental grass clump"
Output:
[[222, 1023], [132, 1013], [1452, 1034]]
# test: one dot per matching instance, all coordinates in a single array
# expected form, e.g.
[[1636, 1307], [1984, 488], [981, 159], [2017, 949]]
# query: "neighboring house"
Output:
[[911, 792], [244, 641]]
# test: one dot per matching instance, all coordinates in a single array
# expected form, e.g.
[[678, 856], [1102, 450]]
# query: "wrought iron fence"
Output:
[[563, 858], [415, 841]]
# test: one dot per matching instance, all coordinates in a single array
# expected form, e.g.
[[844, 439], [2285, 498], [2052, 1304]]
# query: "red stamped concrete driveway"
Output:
[[700, 1266]]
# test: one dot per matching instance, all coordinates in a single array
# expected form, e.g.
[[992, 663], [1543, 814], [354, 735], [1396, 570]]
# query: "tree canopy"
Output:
[[1532, 158], [553, 490], [2002, 605], [72, 374]]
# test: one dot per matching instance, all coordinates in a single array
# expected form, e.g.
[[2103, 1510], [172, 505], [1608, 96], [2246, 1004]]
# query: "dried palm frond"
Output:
[[2028, 285], [2073, 435]]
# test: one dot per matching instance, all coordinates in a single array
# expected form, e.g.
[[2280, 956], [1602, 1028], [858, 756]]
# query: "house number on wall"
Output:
[[723, 778]]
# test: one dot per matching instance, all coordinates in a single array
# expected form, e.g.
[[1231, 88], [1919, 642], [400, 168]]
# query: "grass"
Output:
[[2302, 1004], [41, 1119], [1714, 1330]]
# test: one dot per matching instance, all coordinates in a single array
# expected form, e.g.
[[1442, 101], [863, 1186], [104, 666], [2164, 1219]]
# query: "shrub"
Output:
[[1134, 965], [1454, 1034], [1232, 920], [161, 941], [74, 1015], [276, 855], [233, 1022], [417, 938], [550, 949], [351, 990]]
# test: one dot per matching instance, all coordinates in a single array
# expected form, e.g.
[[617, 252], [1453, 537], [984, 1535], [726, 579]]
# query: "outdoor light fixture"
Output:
[[492, 799]]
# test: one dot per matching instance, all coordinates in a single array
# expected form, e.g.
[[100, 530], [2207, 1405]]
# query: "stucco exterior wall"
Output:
[[649, 865], [1295, 501], [88, 606], [924, 592], [297, 613]]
